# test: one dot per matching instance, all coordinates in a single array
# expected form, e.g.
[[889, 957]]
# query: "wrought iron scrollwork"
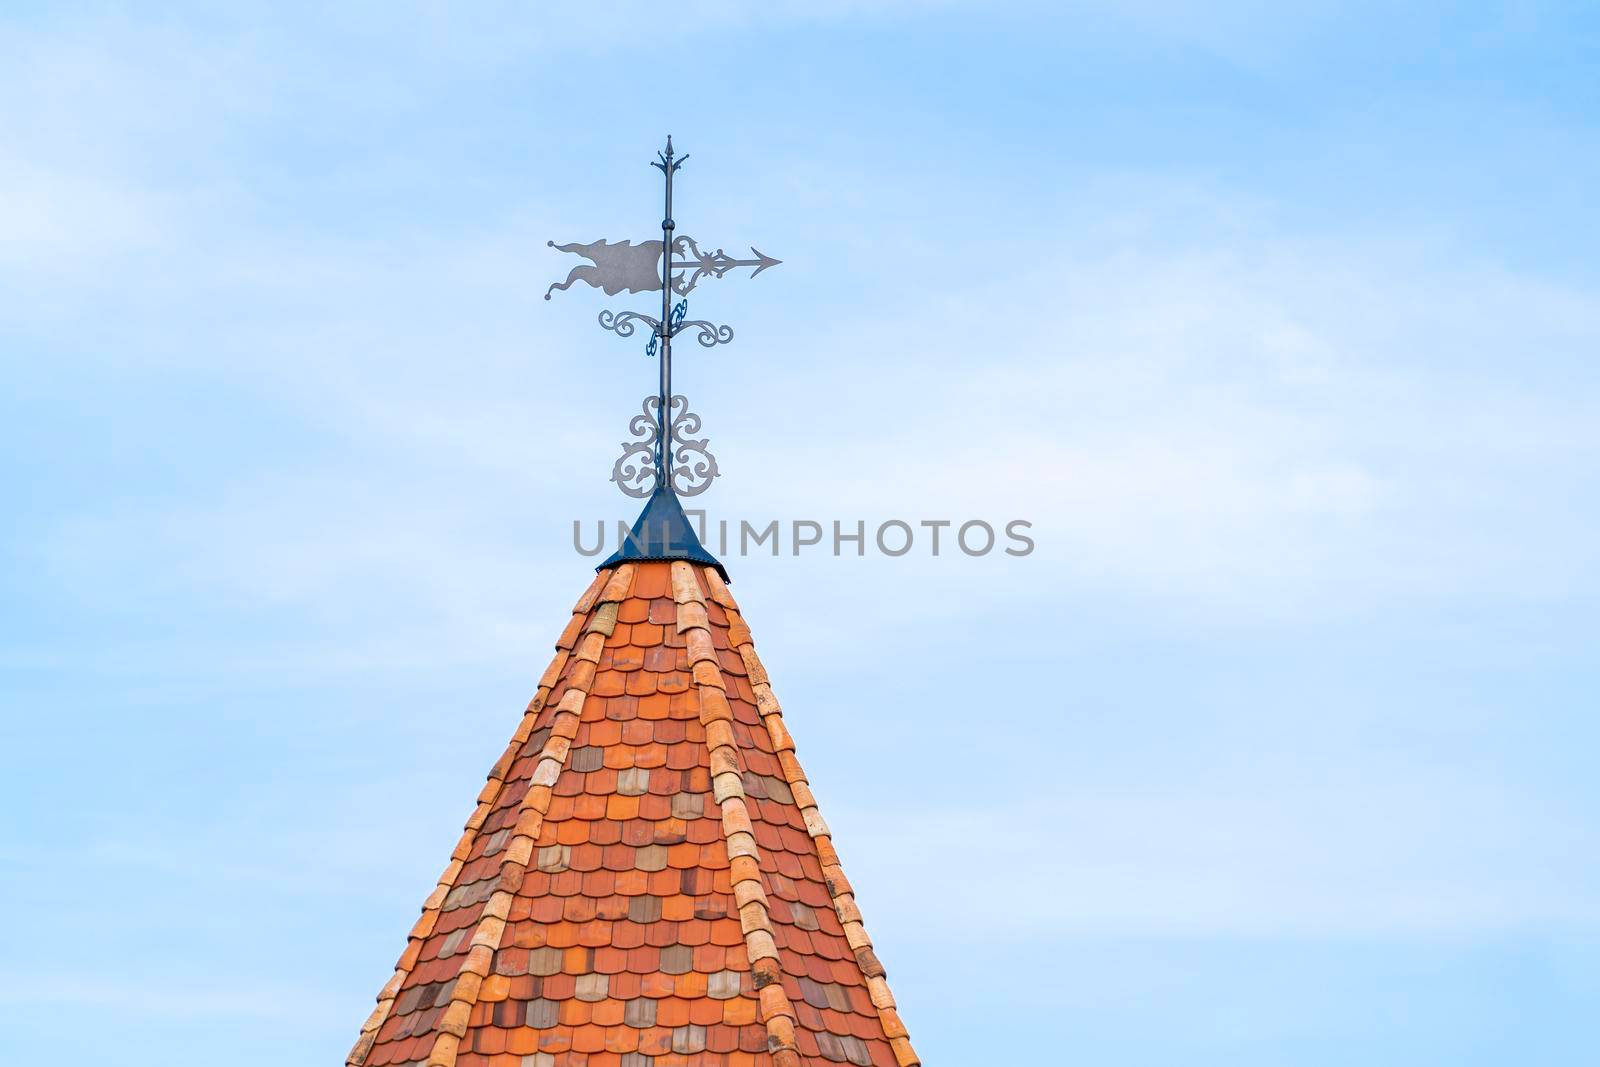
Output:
[[625, 323], [710, 334], [666, 452], [715, 263], [693, 465], [622, 323], [635, 470]]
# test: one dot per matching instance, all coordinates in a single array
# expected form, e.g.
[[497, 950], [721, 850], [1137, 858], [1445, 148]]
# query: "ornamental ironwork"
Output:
[[693, 465], [665, 451]]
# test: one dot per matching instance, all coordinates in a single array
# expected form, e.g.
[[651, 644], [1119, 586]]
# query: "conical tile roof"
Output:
[[646, 880]]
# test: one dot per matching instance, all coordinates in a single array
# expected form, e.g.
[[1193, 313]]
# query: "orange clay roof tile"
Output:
[[646, 879]]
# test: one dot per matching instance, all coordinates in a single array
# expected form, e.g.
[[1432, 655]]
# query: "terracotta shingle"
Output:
[[646, 879]]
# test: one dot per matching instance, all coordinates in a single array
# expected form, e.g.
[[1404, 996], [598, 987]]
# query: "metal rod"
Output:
[[664, 457]]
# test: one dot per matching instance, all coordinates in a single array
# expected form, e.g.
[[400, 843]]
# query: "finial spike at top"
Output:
[[667, 164]]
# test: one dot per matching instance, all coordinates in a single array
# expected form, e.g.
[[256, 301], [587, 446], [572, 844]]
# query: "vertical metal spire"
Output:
[[668, 167]]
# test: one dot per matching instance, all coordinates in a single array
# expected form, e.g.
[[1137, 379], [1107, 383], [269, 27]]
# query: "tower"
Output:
[[646, 879]]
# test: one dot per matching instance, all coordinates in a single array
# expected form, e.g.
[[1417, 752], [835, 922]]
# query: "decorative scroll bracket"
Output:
[[693, 465], [625, 323]]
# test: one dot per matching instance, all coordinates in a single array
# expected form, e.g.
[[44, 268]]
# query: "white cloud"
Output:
[[1335, 859], [1221, 428], [1253, 423], [1212, 433]]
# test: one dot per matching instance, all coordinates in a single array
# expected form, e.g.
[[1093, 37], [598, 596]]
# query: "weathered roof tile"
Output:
[[646, 842]]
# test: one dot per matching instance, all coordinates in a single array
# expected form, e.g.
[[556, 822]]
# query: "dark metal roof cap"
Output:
[[663, 531]]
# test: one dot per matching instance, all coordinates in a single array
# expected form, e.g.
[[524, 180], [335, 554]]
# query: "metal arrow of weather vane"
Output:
[[665, 451]]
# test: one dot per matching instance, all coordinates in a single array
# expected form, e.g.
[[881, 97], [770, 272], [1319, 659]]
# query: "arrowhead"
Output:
[[766, 261]]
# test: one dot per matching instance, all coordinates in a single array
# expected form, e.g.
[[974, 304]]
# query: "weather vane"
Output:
[[671, 456]]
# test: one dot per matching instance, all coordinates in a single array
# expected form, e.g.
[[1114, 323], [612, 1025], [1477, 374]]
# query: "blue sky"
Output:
[[1278, 325]]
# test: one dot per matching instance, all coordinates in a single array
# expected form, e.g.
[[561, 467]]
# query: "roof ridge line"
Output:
[[433, 906], [839, 887], [744, 856], [491, 925]]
